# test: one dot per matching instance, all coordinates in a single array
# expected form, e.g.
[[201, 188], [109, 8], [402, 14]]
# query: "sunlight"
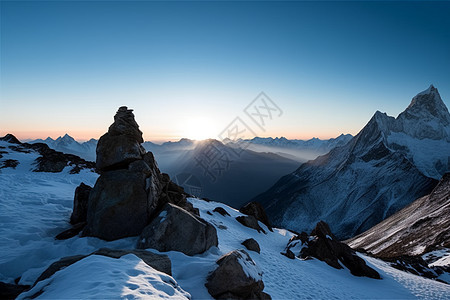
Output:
[[199, 128]]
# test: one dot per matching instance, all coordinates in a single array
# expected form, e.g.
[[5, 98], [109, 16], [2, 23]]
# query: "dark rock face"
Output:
[[416, 265], [252, 245], [230, 279], [176, 229], [119, 205], [323, 245], [121, 145], [221, 211], [128, 191], [256, 209], [9, 163], [251, 222], [11, 291], [159, 262], [80, 204], [131, 193]]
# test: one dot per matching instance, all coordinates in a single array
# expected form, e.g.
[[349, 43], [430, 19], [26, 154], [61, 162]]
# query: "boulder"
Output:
[[221, 211], [251, 222], [116, 152], [71, 232], [252, 245], [178, 230], [80, 204], [159, 262], [236, 277], [119, 205], [256, 209], [323, 245], [11, 291]]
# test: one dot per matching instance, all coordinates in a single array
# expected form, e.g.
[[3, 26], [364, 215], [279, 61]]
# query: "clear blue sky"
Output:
[[189, 68]]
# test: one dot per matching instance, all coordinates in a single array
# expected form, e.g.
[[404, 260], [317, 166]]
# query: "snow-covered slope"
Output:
[[389, 164], [422, 226], [36, 206]]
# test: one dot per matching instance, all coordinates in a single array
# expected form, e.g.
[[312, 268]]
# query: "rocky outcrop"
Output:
[[80, 204], [49, 159], [11, 291], [159, 262], [120, 205], [256, 209], [175, 229], [236, 277], [252, 245], [221, 210], [131, 189], [251, 222], [323, 245]]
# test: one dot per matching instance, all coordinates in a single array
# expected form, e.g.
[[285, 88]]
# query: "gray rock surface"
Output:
[[236, 277], [178, 230]]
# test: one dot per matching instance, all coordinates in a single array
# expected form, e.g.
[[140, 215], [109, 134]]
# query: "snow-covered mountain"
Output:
[[37, 206], [68, 144], [315, 144], [387, 165]]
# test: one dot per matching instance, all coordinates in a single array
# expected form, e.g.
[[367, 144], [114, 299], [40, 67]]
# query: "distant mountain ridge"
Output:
[[68, 144], [387, 165]]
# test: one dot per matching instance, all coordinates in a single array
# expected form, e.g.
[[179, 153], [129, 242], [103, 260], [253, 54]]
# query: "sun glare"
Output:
[[199, 129]]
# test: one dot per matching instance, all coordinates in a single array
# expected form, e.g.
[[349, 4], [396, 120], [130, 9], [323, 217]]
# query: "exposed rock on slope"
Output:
[[131, 197], [323, 245], [175, 229], [49, 159], [236, 277], [389, 164], [422, 226]]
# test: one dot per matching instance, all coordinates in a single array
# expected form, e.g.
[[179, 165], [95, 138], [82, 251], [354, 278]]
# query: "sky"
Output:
[[188, 69]]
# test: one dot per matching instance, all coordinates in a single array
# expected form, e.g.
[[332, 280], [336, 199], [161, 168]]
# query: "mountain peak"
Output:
[[428, 104]]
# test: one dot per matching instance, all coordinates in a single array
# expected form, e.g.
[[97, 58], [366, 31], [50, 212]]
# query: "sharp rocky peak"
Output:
[[427, 104]]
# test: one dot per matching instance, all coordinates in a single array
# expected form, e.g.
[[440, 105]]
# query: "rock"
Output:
[[256, 209], [121, 145], [119, 205], [178, 230], [11, 291], [323, 245], [80, 204], [288, 253], [251, 222], [131, 191], [414, 265], [236, 277], [252, 245], [159, 262], [221, 211], [71, 232], [117, 152], [9, 163]]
